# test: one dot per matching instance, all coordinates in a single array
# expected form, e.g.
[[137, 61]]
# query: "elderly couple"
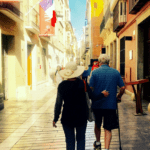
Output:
[[102, 90]]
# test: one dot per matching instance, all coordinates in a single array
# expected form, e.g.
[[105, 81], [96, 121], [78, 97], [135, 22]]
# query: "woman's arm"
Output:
[[92, 96], [58, 105]]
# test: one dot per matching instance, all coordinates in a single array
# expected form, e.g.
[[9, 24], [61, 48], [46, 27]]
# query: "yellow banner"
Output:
[[96, 7]]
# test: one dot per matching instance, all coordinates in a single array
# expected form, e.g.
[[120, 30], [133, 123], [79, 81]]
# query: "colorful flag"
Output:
[[50, 10], [48, 7], [47, 18], [45, 4], [53, 20]]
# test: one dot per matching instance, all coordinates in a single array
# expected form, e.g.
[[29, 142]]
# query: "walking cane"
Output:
[[119, 129]]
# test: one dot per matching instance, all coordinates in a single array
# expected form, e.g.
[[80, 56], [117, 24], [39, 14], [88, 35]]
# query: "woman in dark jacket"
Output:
[[75, 109]]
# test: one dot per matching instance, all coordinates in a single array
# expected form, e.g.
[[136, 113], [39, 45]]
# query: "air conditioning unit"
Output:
[[122, 11]]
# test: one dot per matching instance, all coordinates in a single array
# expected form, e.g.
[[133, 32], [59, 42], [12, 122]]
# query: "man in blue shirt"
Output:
[[105, 78]]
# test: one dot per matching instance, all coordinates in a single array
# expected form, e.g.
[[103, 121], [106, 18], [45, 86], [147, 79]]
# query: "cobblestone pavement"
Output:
[[27, 125]]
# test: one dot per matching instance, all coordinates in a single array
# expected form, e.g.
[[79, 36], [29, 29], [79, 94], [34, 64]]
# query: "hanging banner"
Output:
[[47, 18], [97, 7]]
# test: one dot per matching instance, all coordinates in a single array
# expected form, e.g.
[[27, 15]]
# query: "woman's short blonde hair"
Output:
[[104, 59]]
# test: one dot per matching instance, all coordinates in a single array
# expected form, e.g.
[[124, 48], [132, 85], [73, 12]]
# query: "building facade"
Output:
[[106, 32], [28, 59], [126, 32], [82, 45], [93, 41], [133, 37], [88, 42], [97, 8]]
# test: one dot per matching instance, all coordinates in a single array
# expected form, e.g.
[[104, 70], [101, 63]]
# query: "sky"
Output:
[[78, 8]]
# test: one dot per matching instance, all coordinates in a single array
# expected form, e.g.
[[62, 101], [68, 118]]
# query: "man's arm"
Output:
[[98, 97], [92, 96], [122, 87], [122, 90]]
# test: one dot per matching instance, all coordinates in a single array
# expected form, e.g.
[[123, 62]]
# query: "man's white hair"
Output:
[[104, 59]]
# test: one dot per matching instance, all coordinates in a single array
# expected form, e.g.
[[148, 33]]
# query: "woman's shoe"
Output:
[[98, 147]]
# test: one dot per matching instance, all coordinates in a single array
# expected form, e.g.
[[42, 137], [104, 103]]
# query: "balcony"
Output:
[[87, 46], [32, 21], [12, 10], [68, 26], [102, 26], [67, 16], [68, 48], [119, 16], [67, 2], [59, 15], [87, 39], [136, 5], [87, 30], [108, 17], [107, 21], [83, 56]]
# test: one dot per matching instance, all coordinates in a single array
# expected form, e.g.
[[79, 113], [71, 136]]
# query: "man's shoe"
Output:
[[97, 146]]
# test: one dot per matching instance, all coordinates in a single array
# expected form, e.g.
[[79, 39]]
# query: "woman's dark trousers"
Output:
[[70, 137]]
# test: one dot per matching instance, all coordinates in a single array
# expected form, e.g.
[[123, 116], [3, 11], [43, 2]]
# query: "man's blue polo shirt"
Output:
[[105, 78]]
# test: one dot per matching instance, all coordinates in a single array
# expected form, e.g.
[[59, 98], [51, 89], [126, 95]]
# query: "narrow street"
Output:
[[38, 38], [27, 125]]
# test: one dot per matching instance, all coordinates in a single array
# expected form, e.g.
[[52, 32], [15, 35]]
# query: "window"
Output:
[[103, 50], [95, 5], [124, 8], [121, 8]]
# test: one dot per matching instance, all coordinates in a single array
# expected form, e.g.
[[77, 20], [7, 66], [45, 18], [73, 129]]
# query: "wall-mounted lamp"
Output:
[[134, 35], [130, 54]]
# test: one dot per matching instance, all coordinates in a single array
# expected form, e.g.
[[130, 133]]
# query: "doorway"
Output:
[[147, 61], [144, 55], [29, 65], [7, 44]]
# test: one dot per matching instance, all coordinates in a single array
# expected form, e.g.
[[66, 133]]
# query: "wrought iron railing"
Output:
[[59, 13], [86, 30], [12, 8], [108, 14], [32, 19], [87, 45], [116, 17], [35, 18], [136, 5], [102, 26]]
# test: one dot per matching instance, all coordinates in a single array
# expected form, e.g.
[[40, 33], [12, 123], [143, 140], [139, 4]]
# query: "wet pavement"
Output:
[[27, 125]]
